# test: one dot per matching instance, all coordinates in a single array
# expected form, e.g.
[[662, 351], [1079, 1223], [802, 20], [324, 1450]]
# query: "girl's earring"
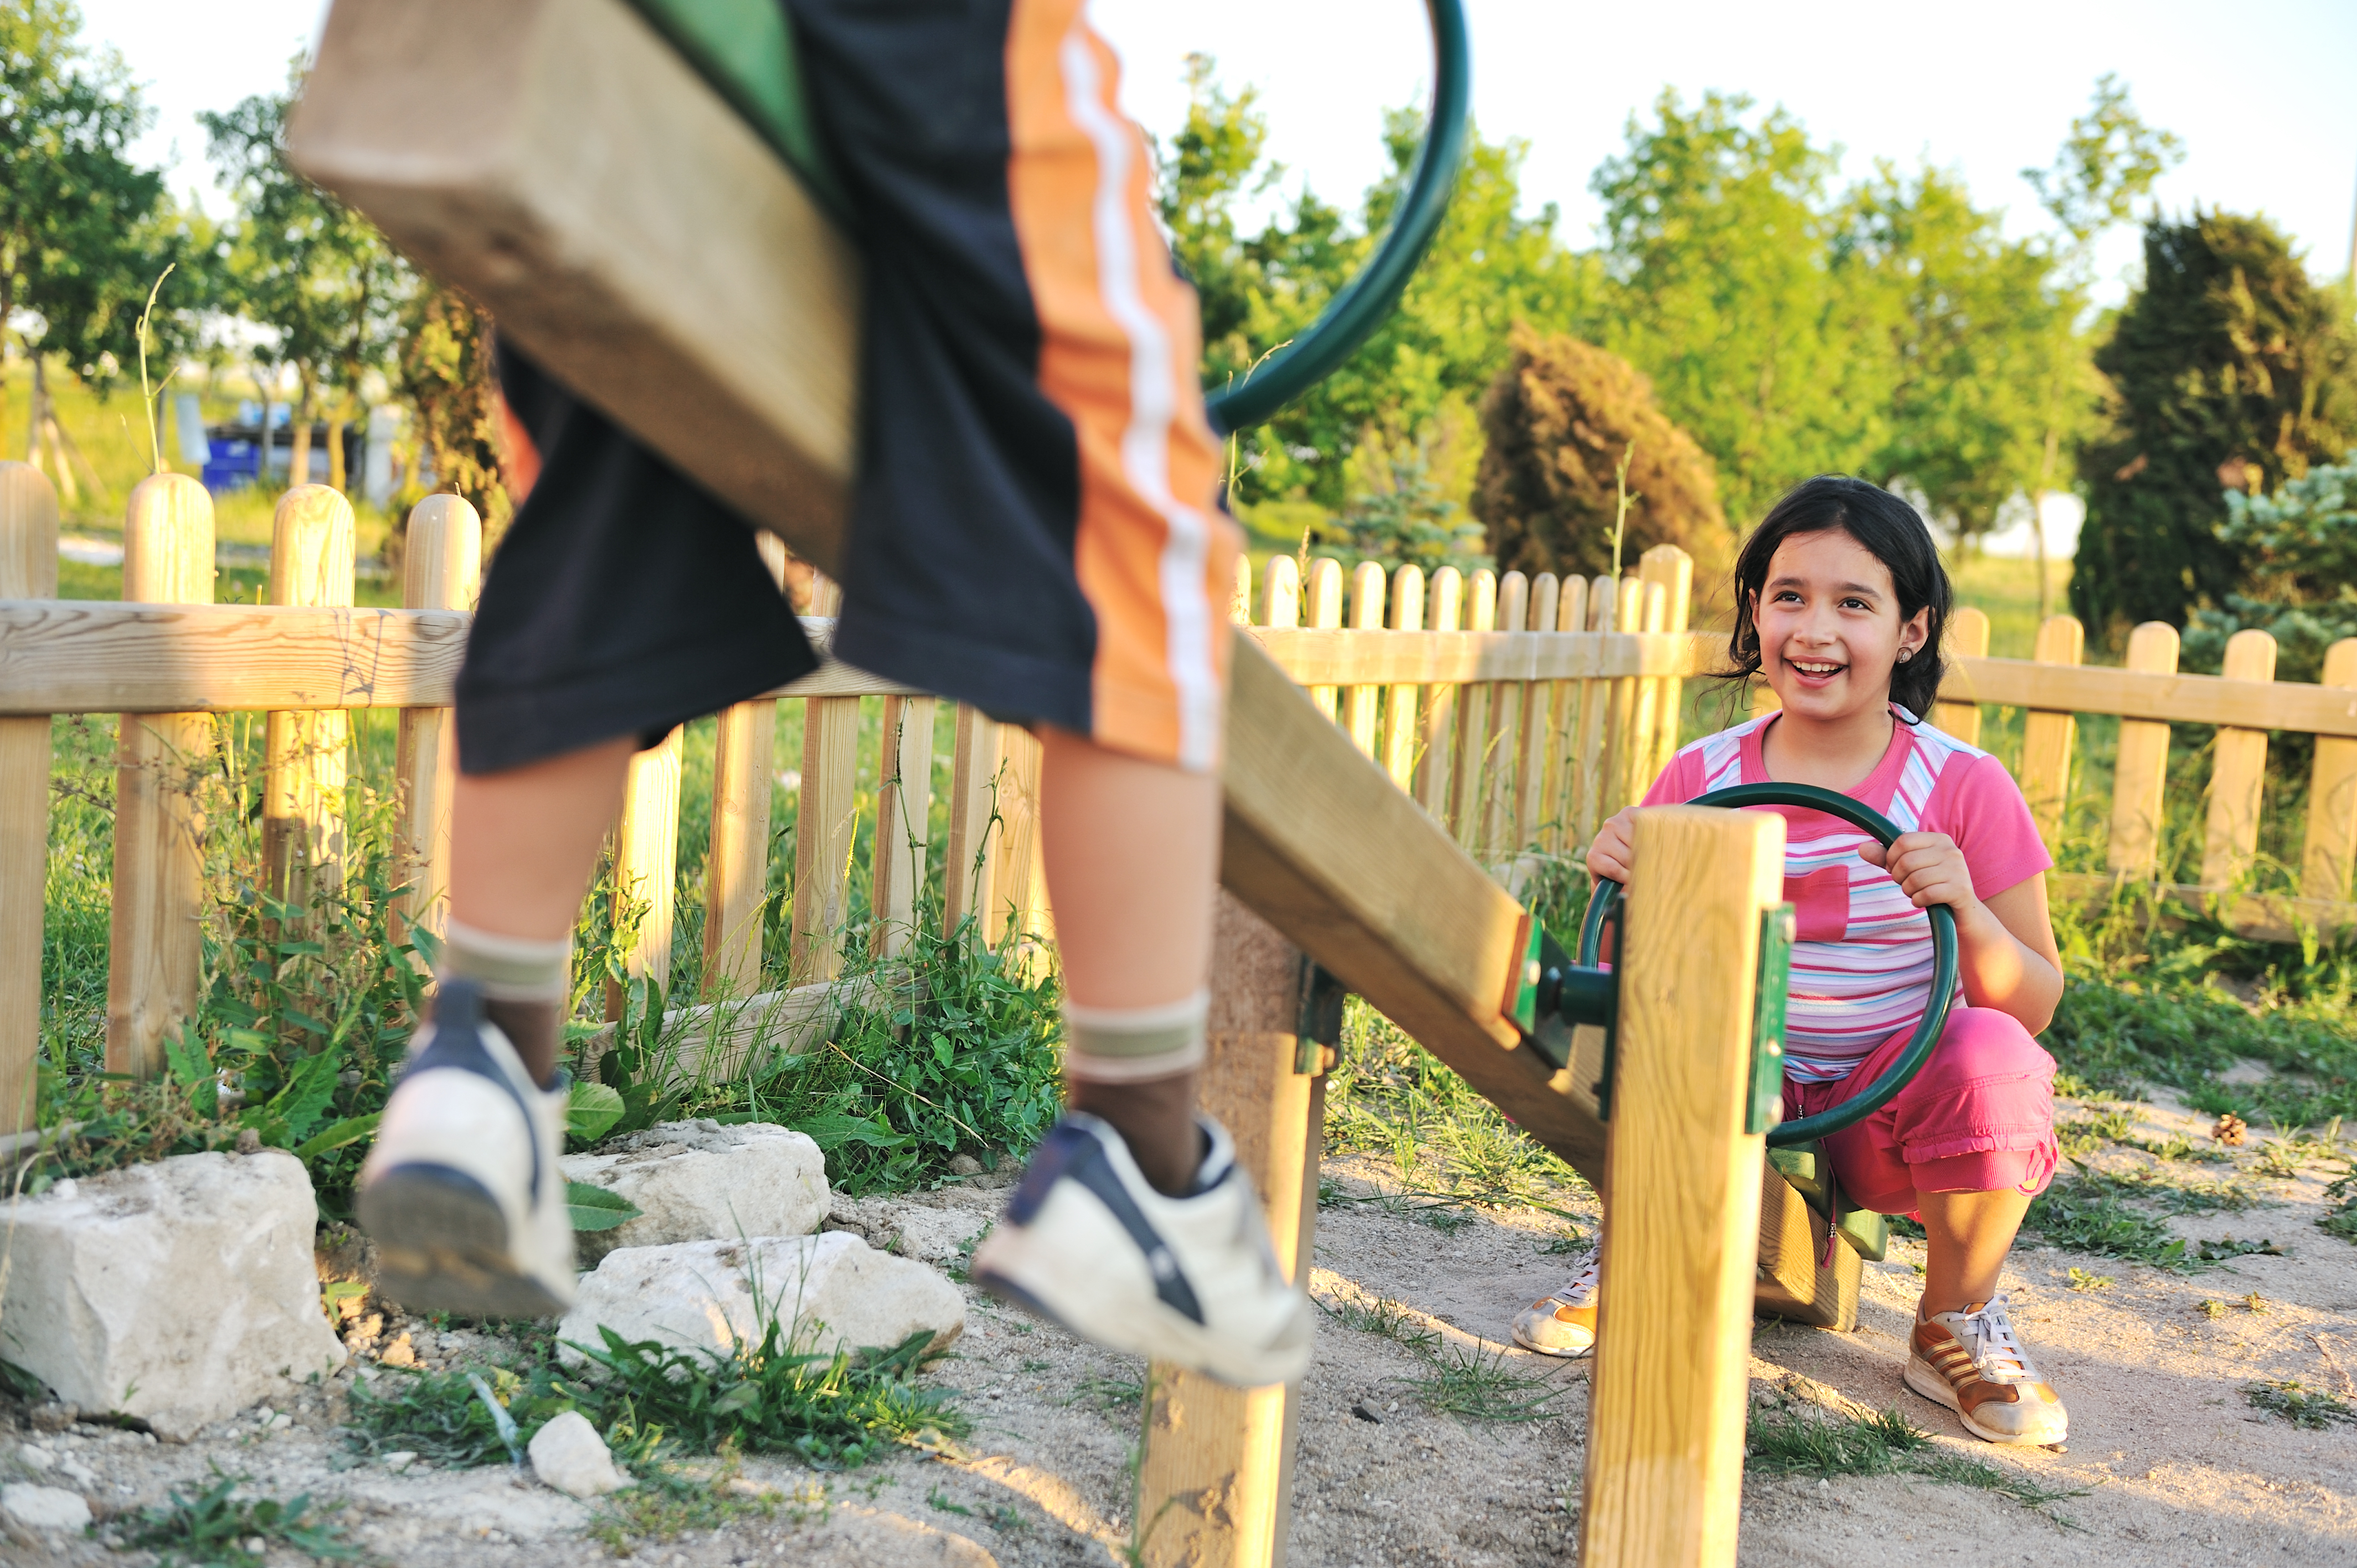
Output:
[[1905, 654]]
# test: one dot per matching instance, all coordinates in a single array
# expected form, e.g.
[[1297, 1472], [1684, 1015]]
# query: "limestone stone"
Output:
[[568, 1455], [177, 1292], [832, 1291], [705, 1181], [44, 1507]]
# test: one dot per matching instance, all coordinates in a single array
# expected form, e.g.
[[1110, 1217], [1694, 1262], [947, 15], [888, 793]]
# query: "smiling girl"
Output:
[[1841, 601]]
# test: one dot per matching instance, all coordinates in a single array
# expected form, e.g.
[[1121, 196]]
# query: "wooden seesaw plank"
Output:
[[622, 223]]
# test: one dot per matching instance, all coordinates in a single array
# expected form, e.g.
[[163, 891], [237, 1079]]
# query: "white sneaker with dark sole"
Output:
[[1087, 1243], [462, 1192]]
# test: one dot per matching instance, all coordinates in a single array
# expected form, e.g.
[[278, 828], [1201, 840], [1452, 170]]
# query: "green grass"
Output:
[[1827, 1444]]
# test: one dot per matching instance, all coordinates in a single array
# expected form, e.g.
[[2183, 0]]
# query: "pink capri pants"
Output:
[[1979, 1117]]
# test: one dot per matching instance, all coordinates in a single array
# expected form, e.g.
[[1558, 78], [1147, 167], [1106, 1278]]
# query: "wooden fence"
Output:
[[1519, 713]]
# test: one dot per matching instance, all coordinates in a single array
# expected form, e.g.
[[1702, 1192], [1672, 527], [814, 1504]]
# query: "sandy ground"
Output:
[[2173, 1464]]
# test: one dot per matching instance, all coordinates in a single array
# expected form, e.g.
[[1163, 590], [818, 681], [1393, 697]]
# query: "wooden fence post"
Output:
[[1366, 615], [737, 861], [2140, 768], [967, 881], [2324, 859], [1473, 748], [304, 753], [1561, 798], [1435, 769], [1538, 703], [1018, 906], [827, 822], [1215, 1485], [904, 804], [2238, 778], [1400, 734], [2047, 738], [1666, 1419], [1967, 638], [1500, 774], [1673, 568], [28, 570], [1596, 716], [155, 931], [646, 860], [441, 569], [1322, 603], [1644, 607]]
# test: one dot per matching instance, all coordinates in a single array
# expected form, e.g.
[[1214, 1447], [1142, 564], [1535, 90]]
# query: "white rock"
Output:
[[703, 1181], [832, 1291], [177, 1292], [44, 1507], [568, 1455]]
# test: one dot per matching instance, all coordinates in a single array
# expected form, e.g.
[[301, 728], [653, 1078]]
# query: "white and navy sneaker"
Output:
[[462, 1192], [1088, 1244]]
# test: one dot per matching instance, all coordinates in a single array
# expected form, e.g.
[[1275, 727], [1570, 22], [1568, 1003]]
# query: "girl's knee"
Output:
[[1983, 1043]]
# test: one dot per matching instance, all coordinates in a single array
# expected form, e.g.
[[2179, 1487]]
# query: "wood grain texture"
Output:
[[1217, 1469], [1967, 638], [1665, 1420], [442, 569], [2238, 774], [621, 221], [966, 880], [28, 570], [155, 929], [2049, 737], [304, 750], [2140, 767], [1322, 846], [1362, 707], [2332, 841], [1402, 705], [737, 861], [646, 858], [904, 804], [2170, 699]]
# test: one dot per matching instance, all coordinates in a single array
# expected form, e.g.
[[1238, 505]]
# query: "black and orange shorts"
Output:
[[1035, 525]]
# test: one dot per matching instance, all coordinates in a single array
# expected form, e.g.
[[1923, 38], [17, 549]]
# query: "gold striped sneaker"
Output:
[[1563, 1324], [1971, 1362]]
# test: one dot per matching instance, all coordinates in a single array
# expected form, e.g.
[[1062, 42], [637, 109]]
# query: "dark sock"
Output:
[[1156, 1119], [533, 1028]]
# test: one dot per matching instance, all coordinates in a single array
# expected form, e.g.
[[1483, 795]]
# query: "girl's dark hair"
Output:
[[1892, 531]]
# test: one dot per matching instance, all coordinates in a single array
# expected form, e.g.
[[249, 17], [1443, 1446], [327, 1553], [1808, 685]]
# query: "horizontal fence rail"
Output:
[[1518, 711]]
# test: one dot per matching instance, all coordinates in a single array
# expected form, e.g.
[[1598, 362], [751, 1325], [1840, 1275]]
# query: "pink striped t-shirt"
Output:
[[1862, 966]]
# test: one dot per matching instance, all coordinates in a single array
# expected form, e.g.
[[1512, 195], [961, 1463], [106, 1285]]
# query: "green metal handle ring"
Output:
[[1364, 303], [1849, 1113]]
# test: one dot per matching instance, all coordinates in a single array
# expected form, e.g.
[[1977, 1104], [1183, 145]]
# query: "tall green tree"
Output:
[[2227, 369], [1718, 241], [84, 230], [316, 274]]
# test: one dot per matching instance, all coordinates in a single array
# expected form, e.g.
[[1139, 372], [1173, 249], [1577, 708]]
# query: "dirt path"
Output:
[[2167, 1457]]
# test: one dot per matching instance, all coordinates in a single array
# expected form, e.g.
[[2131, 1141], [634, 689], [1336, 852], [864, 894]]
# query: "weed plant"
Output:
[[211, 1528], [2299, 1404], [442, 1418]]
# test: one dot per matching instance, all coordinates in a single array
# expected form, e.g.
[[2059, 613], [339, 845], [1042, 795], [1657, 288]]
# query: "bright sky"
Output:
[[2258, 92]]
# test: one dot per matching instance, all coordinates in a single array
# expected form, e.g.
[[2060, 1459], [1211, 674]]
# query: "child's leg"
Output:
[[1970, 1234], [1132, 852], [523, 844]]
